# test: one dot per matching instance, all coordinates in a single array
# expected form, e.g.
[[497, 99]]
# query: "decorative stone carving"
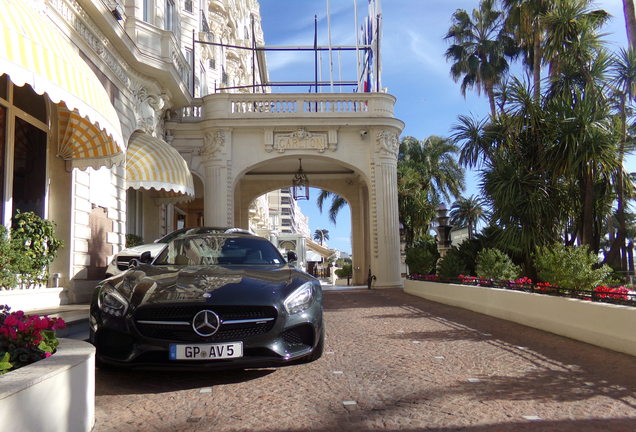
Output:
[[149, 110], [299, 140], [388, 143], [213, 144], [76, 17]]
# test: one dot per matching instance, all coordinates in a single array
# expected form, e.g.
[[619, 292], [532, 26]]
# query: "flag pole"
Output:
[[355, 23], [330, 54]]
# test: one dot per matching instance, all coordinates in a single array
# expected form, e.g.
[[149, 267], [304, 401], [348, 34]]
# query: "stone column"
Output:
[[218, 198], [385, 224]]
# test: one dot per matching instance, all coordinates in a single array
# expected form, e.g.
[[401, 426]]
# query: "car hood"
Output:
[[210, 284], [153, 248]]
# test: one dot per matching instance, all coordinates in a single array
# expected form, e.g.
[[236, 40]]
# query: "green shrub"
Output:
[[452, 265], [8, 258], [569, 267], [345, 272], [494, 264], [34, 241], [422, 257], [133, 240]]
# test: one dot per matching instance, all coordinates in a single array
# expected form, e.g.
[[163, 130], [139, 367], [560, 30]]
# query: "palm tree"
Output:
[[467, 212], [585, 149], [572, 28], [524, 21], [428, 173], [435, 162], [477, 144], [321, 235], [623, 82], [337, 203], [480, 45]]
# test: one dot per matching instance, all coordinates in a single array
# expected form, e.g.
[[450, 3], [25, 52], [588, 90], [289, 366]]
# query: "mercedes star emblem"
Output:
[[205, 323]]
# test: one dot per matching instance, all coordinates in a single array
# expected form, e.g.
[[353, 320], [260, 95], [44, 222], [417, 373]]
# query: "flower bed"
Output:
[[25, 339], [602, 293]]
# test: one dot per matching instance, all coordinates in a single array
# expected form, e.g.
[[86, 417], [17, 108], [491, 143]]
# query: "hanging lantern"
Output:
[[300, 184]]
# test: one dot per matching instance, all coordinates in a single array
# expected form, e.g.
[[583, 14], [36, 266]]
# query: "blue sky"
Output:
[[413, 67]]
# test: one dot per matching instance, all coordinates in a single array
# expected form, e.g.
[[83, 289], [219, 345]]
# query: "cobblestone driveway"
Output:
[[392, 362]]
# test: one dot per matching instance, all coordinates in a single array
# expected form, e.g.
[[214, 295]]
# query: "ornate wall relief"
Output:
[[301, 139], [150, 108], [388, 144], [213, 145]]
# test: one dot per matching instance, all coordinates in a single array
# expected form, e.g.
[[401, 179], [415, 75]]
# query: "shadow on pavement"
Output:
[[351, 423], [566, 370], [131, 381]]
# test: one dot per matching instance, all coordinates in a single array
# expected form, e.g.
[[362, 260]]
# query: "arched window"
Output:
[[23, 147]]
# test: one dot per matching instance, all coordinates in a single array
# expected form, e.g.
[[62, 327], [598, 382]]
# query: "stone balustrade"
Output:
[[249, 106]]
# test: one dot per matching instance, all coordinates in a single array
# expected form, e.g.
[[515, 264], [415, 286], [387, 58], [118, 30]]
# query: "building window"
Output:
[[225, 78], [212, 63], [205, 27], [189, 55], [203, 82], [145, 12], [3, 131], [29, 168], [23, 146], [134, 212], [188, 5], [170, 15]]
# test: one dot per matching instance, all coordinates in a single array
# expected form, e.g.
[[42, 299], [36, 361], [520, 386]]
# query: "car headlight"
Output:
[[300, 299], [112, 302]]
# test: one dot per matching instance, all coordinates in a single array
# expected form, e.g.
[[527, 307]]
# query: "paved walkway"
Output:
[[393, 362]]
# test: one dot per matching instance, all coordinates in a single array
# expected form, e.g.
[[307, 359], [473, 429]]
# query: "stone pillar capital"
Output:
[[387, 144], [214, 147]]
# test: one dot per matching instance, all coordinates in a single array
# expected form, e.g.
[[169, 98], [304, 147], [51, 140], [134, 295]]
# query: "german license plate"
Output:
[[206, 351]]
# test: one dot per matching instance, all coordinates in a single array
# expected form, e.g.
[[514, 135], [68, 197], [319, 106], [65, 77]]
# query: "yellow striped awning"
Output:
[[154, 164], [35, 52]]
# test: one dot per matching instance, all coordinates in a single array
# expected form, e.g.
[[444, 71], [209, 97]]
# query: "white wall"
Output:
[[602, 324]]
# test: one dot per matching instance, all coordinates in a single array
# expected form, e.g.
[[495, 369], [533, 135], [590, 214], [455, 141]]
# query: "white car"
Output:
[[121, 261]]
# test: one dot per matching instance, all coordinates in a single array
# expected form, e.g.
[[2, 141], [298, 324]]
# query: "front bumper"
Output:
[[124, 342]]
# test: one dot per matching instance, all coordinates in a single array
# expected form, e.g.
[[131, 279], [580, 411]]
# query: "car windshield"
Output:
[[219, 250], [192, 230]]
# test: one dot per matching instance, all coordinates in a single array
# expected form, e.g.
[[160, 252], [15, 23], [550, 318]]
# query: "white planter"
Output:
[[30, 299], [601, 324], [51, 395]]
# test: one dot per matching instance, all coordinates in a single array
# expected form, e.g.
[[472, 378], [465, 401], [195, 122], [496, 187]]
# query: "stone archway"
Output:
[[243, 145], [324, 173]]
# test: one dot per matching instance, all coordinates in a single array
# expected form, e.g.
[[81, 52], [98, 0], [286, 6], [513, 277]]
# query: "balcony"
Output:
[[290, 105], [158, 54]]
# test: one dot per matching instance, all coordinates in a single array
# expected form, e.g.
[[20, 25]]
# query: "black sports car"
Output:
[[211, 301]]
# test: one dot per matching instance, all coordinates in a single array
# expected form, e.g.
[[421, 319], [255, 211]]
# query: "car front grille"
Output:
[[123, 262], [182, 314]]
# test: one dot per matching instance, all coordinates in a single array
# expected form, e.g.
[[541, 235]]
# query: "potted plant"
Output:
[[25, 339]]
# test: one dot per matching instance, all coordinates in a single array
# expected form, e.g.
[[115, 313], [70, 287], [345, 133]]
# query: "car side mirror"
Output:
[[291, 256], [145, 257]]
